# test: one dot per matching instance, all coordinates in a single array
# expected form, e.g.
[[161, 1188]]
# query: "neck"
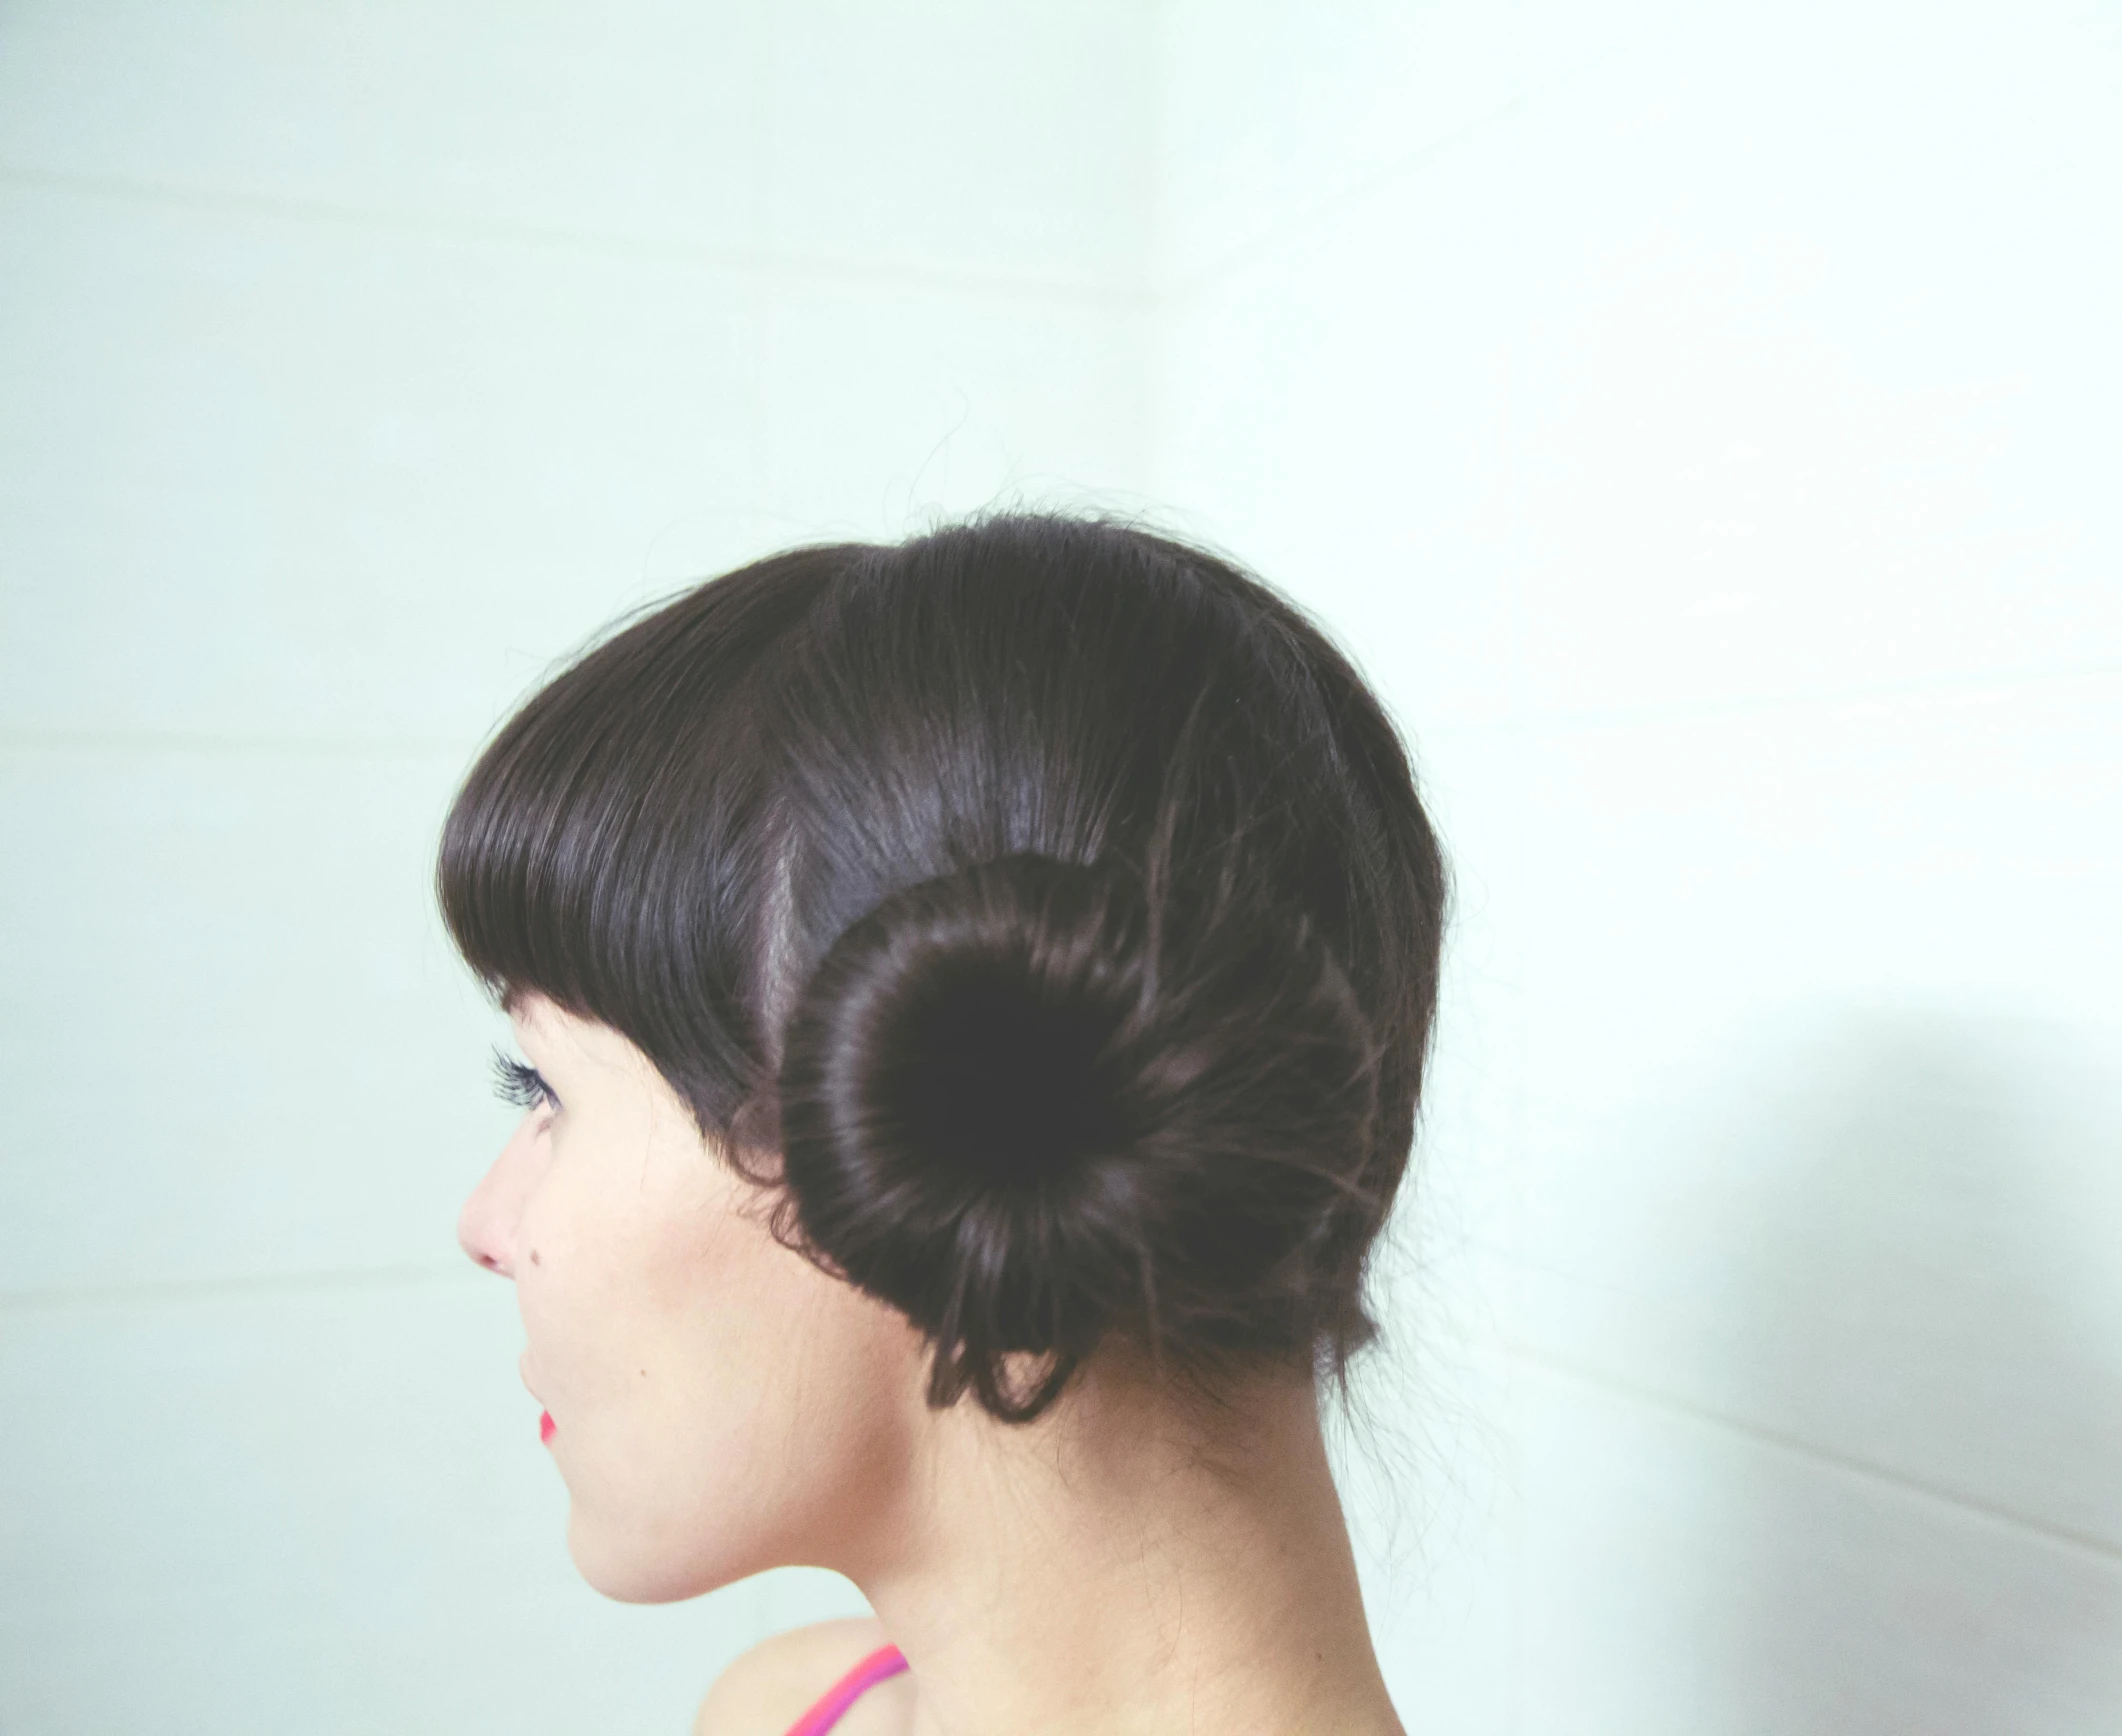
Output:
[[1116, 1568]]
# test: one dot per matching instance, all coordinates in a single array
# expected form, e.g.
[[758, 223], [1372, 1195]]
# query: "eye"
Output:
[[522, 1085]]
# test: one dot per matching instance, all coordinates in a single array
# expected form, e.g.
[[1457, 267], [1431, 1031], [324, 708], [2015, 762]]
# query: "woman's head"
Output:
[[976, 955]]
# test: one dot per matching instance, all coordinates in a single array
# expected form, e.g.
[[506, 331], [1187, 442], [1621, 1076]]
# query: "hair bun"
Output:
[[1010, 1108]]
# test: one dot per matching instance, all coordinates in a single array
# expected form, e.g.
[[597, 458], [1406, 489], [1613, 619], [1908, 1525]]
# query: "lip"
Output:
[[546, 1427]]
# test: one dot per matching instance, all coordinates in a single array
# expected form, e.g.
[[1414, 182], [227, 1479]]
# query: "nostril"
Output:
[[482, 1257]]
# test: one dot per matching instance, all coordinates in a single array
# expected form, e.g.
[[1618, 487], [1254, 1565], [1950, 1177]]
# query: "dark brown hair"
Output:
[[1041, 907]]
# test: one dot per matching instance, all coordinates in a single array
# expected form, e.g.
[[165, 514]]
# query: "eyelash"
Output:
[[521, 1085]]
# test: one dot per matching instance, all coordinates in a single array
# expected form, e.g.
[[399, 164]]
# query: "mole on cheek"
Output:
[[535, 1261]]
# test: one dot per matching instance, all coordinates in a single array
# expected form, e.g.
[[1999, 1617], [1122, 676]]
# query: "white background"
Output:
[[1702, 420]]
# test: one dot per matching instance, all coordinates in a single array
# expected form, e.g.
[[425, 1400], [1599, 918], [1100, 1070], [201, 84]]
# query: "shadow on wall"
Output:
[[1925, 1328]]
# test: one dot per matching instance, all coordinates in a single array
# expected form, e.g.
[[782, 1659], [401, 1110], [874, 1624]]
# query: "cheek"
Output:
[[765, 1355], [803, 1429], [722, 1406], [608, 1290], [565, 1300]]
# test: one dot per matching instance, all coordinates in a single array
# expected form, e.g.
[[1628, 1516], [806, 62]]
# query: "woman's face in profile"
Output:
[[719, 1405]]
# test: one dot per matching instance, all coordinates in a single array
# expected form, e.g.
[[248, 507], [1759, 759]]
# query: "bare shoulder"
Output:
[[768, 1687]]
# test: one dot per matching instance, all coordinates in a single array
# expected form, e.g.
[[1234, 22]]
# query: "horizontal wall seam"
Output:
[[180, 742], [1970, 685], [761, 263], [2084, 1544], [62, 1299]]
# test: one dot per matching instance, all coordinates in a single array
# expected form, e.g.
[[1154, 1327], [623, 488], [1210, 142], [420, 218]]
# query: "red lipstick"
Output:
[[545, 1425]]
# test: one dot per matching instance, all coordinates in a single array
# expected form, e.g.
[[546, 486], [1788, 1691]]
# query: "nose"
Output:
[[486, 1228]]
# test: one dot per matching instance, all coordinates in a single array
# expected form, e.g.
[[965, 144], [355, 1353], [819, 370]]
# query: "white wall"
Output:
[[355, 362], [1698, 416], [1702, 418]]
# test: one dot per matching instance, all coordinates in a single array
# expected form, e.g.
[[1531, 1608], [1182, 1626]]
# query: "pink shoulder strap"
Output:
[[884, 1661]]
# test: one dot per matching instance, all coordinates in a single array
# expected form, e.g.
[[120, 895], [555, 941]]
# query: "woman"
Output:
[[973, 997]]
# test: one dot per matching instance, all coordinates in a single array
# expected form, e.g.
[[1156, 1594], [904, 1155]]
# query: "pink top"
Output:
[[884, 1661]]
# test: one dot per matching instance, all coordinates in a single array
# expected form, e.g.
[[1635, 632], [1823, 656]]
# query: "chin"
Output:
[[644, 1566]]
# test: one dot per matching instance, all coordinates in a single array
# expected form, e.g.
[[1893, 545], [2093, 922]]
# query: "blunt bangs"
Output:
[[614, 846]]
